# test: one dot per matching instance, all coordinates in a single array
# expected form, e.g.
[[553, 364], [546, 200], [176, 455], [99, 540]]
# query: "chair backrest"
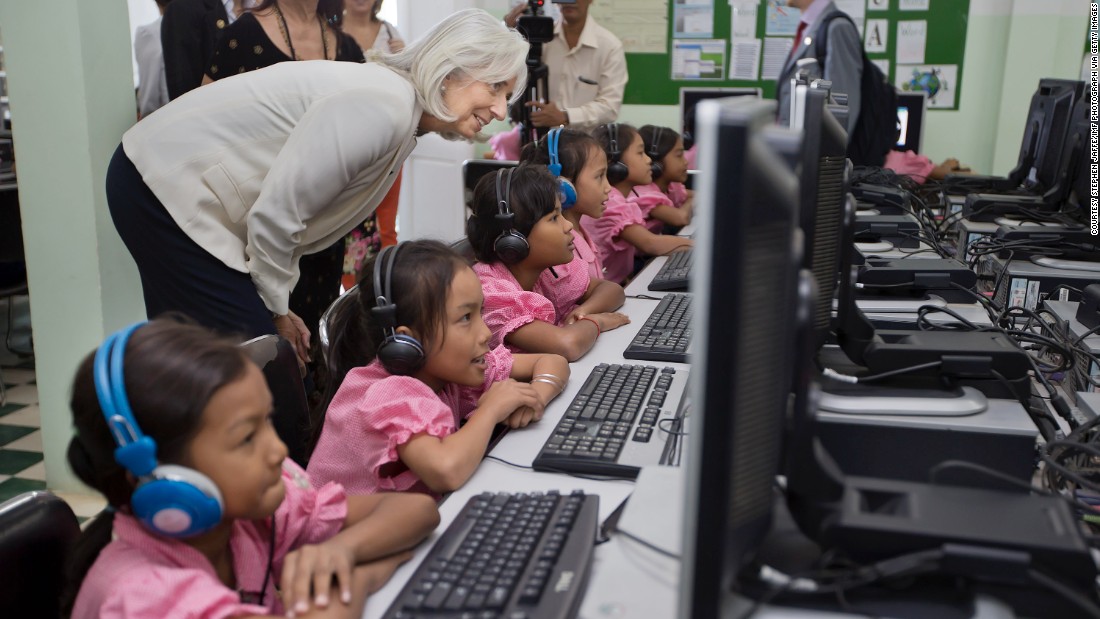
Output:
[[324, 327], [37, 530], [464, 249], [277, 359]]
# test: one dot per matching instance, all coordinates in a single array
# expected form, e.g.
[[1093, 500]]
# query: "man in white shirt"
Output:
[[587, 72]]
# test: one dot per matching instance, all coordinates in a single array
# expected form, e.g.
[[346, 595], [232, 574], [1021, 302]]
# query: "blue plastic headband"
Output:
[[552, 148], [136, 452]]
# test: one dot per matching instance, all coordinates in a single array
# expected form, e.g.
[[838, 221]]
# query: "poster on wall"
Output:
[[911, 40], [745, 59], [781, 20], [939, 82], [641, 25], [699, 59], [692, 20]]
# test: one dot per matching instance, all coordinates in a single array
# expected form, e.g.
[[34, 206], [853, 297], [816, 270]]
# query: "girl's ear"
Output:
[[409, 332]]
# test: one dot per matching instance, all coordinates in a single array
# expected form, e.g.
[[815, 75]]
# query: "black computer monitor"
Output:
[[746, 262], [690, 97], [911, 107], [1045, 131], [823, 168]]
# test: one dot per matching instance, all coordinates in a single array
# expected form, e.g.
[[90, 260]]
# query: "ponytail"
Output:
[[352, 344]]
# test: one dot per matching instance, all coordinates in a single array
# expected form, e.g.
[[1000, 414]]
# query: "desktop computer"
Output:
[[749, 251], [1027, 283], [753, 316], [1084, 376], [690, 98]]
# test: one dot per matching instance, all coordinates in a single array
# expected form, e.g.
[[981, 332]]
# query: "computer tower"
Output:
[[1084, 376], [967, 232], [1024, 283]]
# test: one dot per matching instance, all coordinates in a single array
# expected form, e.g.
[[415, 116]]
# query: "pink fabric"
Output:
[[678, 193], [374, 412], [918, 167], [648, 198], [141, 575], [583, 247], [691, 154], [615, 252], [509, 307], [505, 145]]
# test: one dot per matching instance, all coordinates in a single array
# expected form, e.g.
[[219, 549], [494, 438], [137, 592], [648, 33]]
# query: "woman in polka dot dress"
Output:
[[279, 31]]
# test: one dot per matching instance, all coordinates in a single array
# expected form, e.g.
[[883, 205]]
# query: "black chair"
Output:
[[324, 325], [37, 529], [279, 363]]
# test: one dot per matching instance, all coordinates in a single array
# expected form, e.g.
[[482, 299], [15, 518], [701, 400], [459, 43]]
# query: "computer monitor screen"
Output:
[[910, 120], [690, 97], [744, 278]]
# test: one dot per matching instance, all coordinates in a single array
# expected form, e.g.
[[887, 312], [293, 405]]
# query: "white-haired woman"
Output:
[[220, 192]]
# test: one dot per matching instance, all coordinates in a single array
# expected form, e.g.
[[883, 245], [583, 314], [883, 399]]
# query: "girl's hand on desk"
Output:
[[505, 398], [313, 566]]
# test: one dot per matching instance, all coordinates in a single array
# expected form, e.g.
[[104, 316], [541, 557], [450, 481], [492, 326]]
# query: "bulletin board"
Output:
[[703, 30]]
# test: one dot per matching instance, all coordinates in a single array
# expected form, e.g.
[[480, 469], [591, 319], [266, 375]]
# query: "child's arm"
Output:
[[671, 215], [445, 464], [601, 296], [376, 527], [548, 375], [570, 341], [654, 244]]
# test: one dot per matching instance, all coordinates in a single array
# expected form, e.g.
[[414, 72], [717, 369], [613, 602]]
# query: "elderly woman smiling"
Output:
[[218, 194]]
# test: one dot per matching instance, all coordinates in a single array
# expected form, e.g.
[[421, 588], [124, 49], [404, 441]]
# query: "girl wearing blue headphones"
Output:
[[539, 296], [576, 158], [206, 516], [665, 201], [621, 233], [418, 390]]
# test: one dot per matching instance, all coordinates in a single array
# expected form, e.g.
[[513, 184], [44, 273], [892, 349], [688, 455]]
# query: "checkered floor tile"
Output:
[[21, 465]]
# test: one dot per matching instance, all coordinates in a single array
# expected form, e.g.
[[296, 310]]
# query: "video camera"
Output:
[[537, 29]]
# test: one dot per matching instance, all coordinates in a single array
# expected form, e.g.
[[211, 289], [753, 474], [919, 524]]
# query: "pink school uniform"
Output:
[[141, 575], [374, 411], [649, 197], [917, 167], [615, 252], [509, 307], [586, 250]]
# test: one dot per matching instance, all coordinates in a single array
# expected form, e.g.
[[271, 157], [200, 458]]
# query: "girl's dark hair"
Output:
[[172, 369], [332, 11], [374, 11], [573, 149], [664, 145], [533, 195], [625, 137], [419, 284]]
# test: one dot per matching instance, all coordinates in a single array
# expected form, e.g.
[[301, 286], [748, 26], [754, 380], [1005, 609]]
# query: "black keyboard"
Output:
[[675, 273], [625, 417], [666, 334], [506, 555]]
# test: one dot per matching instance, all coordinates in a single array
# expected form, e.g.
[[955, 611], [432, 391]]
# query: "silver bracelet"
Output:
[[548, 382], [558, 380]]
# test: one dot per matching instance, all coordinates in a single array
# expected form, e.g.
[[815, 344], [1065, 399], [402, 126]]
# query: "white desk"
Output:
[[640, 284], [521, 446]]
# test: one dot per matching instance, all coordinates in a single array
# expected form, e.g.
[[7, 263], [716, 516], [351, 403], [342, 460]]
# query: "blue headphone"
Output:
[[565, 187], [171, 500]]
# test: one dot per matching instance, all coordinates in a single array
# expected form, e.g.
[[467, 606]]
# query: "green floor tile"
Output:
[[13, 461], [10, 433], [11, 408], [15, 487]]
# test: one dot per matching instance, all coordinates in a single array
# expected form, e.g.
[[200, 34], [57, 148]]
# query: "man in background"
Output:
[[843, 56], [587, 71]]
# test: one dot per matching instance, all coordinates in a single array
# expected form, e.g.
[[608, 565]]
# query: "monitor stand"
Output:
[[860, 399], [1068, 265]]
